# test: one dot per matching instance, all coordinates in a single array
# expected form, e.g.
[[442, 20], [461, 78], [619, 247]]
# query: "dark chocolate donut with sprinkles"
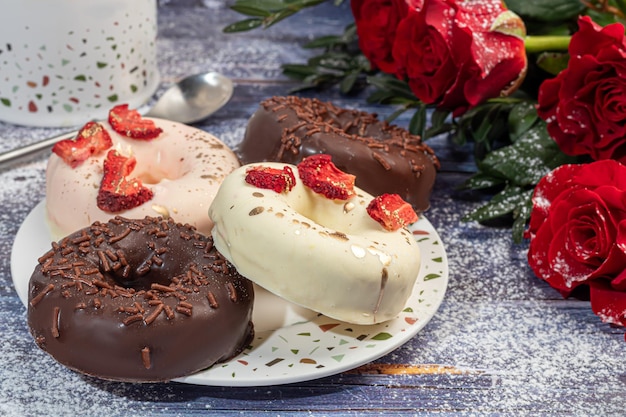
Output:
[[141, 300], [384, 158]]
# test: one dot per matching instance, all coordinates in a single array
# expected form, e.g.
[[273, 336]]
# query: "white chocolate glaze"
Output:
[[183, 167], [327, 255]]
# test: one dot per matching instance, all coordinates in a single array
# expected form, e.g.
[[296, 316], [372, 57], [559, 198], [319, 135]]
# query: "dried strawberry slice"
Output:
[[391, 211], [130, 123], [90, 140], [279, 180], [320, 174], [117, 192]]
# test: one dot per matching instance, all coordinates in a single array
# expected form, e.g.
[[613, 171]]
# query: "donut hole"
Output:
[[156, 166], [141, 268], [137, 281]]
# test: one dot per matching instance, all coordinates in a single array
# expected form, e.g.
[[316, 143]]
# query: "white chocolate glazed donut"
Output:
[[183, 167], [327, 255]]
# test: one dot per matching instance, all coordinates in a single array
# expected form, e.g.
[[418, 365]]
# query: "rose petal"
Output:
[[376, 23], [584, 104], [547, 190], [601, 173], [620, 239], [607, 303], [592, 37]]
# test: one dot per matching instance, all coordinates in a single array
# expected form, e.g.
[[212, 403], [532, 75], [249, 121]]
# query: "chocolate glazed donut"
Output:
[[385, 158], [138, 300]]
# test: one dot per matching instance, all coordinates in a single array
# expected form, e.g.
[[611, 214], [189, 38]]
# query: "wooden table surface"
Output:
[[501, 343]]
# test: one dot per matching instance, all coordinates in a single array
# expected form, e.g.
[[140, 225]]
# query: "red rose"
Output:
[[585, 104], [376, 22], [578, 234], [457, 54]]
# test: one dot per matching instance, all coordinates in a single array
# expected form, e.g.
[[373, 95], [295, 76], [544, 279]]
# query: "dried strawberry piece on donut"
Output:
[[130, 123], [391, 211], [90, 140], [117, 192], [322, 176], [279, 180]]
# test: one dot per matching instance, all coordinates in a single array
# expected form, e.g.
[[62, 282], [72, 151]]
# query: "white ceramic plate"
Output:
[[291, 344]]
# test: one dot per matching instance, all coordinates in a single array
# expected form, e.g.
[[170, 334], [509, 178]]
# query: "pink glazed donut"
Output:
[[183, 168]]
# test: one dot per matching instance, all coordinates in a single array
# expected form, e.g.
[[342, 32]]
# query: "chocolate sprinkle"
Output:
[[55, 322], [145, 358], [383, 157], [122, 284]]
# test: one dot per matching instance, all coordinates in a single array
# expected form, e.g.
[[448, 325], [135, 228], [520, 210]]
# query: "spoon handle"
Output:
[[32, 148], [38, 146]]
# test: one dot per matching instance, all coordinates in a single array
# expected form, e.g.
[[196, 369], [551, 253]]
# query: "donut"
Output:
[[181, 168], [384, 158], [326, 254], [141, 300]]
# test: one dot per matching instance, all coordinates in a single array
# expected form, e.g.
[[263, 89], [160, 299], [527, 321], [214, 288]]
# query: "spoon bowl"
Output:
[[193, 98], [190, 100]]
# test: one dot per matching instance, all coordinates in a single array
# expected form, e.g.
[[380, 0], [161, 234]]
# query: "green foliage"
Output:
[[516, 169], [341, 63], [265, 13], [546, 10]]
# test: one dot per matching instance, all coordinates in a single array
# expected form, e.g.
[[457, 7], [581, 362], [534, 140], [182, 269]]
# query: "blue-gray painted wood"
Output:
[[508, 344]]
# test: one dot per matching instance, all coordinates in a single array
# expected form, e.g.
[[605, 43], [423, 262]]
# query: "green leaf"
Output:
[[324, 42], [266, 12], [438, 118], [546, 10], [516, 168], [439, 124], [481, 133], [485, 124], [481, 181], [340, 63], [393, 116], [552, 62], [243, 25], [261, 4], [505, 202], [276, 5], [392, 85], [417, 124], [298, 70], [521, 118], [521, 215], [251, 10], [346, 85], [347, 39], [527, 160], [277, 17]]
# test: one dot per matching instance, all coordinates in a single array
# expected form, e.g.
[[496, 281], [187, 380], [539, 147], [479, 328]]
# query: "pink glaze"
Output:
[[184, 168]]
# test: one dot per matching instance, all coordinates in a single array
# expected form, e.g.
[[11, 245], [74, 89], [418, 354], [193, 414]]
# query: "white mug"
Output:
[[65, 62]]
